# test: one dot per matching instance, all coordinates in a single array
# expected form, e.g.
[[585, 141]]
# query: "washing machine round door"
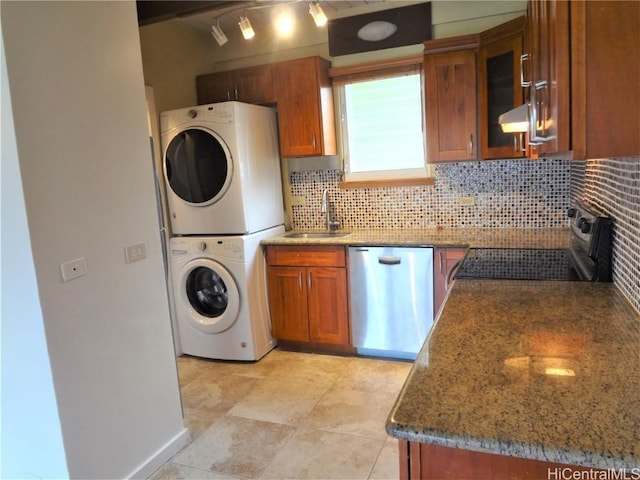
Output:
[[198, 166], [208, 296]]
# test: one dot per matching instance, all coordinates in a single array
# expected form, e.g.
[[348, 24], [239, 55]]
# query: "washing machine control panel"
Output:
[[226, 247], [231, 247]]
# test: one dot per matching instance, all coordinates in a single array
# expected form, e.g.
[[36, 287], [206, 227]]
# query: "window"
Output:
[[382, 123]]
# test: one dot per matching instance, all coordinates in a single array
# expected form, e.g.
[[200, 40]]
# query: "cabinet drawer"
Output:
[[307, 256]]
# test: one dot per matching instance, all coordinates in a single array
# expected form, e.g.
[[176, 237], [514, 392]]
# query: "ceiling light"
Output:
[[218, 34], [315, 10], [247, 29], [377, 31]]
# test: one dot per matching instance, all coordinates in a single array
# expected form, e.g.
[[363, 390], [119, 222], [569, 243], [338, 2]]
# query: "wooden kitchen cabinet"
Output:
[[499, 88], [445, 260], [605, 78], [583, 74], [308, 297], [450, 98], [249, 85], [435, 462], [305, 107], [546, 75]]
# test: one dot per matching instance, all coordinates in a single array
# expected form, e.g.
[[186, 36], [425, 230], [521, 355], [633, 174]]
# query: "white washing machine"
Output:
[[222, 169], [221, 295]]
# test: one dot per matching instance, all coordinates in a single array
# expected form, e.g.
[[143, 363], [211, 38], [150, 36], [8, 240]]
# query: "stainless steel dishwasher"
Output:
[[391, 297]]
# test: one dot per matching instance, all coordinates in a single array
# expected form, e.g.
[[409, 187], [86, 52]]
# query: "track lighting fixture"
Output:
[[315, 10], [218, 34], [284, 24], [246, 28]]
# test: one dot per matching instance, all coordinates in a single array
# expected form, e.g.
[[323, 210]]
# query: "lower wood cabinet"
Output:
[[446, 261], [434, 462], [308, 296]]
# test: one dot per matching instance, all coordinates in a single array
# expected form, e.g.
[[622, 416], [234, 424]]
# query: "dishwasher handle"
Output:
[[389, 260]]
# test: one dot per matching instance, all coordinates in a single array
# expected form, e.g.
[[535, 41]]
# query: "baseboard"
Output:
[[163, 455]]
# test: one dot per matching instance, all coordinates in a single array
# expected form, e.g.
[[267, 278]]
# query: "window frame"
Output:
[[342, 76]]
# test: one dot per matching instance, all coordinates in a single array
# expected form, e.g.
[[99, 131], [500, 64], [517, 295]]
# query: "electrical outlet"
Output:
[[300, 201], [73, 269], [466, 201], [135, 252]]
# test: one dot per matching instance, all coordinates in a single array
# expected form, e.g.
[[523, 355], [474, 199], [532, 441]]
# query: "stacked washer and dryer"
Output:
[[222, 172]]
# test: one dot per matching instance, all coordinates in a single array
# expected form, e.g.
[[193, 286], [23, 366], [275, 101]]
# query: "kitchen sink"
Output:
[[317, 234]]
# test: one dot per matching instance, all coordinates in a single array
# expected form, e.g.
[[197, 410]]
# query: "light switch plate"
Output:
[[135, 252], [73, 269]]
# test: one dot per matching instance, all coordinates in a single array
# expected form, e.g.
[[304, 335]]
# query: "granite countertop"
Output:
[[546, 370], [472, 237]]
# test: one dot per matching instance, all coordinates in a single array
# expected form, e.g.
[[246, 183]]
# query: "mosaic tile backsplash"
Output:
[[507, 193], [612, 186]]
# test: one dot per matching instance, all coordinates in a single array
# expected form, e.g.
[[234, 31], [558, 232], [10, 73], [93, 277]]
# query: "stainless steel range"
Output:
[[588, 259]]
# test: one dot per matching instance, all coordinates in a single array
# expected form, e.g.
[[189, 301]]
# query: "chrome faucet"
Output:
[[324, 208]]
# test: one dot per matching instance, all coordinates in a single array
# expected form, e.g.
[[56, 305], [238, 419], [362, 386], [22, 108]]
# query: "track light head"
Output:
[[315, 10], [218, 34], [246, 28]]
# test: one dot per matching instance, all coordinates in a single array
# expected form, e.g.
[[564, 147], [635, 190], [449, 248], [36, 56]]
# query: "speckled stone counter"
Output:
[[545, 370], [473, 237]]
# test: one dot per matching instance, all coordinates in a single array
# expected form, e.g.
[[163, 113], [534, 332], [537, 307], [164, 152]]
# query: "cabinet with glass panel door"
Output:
[[500, 88]]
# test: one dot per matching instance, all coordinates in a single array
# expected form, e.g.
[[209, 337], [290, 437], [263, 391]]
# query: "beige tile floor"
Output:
[[289, 416]]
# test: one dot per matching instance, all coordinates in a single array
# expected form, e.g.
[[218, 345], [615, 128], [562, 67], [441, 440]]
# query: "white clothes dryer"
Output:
[[222, 169], [221, 295]]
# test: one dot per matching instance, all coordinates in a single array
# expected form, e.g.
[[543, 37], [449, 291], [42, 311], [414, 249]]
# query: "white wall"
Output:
[[29, 409], [78, 99]]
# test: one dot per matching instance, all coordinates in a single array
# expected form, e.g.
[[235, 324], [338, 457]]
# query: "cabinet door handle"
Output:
[[523, 58], [440, 260], [314, 140], [235, 89], [309, 280], [300, 280], [471, 144]]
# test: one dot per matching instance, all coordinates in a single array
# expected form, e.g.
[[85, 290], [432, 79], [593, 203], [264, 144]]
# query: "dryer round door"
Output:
[[208, 295], [198, 166]]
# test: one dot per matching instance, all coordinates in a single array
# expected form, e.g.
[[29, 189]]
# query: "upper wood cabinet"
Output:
[[546, 75], [450, 98], [302, 90], [605, 78], [499, 88], [582, 75], [250, 85], [305, 107]]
